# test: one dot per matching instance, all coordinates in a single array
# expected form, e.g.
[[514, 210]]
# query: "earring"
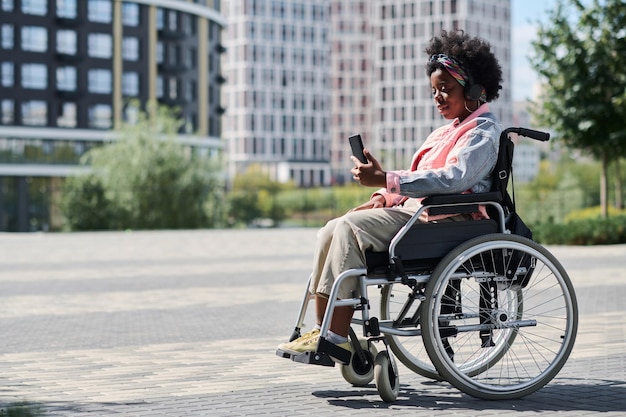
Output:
[[471, 111]]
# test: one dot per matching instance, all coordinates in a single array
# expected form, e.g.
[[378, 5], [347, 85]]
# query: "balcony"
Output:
[[69, 22], [70, 94], [172, 68], [69, 58], [171, 34]]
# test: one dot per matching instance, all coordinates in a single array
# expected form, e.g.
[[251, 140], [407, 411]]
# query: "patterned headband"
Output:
[[456, 71]]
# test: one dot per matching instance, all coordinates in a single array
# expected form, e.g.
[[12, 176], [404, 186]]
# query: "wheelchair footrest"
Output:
[[312, 358], [327, 355]]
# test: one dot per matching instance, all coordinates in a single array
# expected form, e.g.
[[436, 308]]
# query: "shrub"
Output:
[[592, 212], [144, 180], [21, 410], [84, 203], [586, 231]]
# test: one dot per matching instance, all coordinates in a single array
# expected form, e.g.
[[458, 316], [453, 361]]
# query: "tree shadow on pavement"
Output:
[[562, 394]]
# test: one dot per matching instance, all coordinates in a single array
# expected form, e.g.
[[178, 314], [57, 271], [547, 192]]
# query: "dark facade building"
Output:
[[69, 68]]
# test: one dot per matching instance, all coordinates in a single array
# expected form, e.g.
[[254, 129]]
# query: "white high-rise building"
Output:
[[305, 75], [378, 58], [277, 93]]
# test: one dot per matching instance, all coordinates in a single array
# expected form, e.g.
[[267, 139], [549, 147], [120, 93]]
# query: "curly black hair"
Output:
[[473, 54]]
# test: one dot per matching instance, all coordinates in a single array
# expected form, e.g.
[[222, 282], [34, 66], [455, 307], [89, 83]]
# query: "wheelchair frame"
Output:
[[475, 280]]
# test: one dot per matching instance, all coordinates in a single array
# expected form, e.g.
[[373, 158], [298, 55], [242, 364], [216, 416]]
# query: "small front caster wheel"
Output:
[[358, 373], [386, 377]]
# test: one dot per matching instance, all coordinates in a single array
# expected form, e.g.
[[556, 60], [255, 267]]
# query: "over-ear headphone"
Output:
[[472, 91]]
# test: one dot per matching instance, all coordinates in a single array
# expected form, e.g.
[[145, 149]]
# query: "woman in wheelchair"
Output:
[[456, 158]]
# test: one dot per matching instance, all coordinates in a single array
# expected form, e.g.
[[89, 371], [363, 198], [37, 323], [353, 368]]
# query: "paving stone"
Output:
[[185, 323]]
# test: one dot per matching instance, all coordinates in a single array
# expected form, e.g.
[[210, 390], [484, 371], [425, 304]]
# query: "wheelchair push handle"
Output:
[[529, 133]]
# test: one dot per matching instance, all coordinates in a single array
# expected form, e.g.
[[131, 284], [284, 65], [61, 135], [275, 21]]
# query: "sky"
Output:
[[524, 15]]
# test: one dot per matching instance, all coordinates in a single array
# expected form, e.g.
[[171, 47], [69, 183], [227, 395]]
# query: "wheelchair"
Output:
[[491, 312]]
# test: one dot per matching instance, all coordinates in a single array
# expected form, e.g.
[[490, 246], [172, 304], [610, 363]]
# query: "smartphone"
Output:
[[356, 143]]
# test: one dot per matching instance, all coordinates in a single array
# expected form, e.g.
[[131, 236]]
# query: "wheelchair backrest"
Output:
[[503, 170]]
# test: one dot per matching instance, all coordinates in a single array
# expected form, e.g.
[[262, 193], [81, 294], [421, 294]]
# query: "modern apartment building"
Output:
[[303, 76], [380, 88], [278, 88], [68, 69]]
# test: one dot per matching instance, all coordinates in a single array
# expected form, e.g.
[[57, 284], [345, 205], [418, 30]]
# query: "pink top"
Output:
[[456, 158]]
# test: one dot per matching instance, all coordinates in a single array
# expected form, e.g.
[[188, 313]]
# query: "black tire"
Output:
[[357, 373], [530, 308], [386, 376]]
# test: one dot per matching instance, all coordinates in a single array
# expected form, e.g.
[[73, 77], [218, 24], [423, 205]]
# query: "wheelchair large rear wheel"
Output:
[[409, 350], [500, 317]]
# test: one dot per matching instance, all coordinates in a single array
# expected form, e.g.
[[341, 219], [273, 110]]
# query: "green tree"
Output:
[[255, 196], [144, 180], [581, 53], [84, 204]]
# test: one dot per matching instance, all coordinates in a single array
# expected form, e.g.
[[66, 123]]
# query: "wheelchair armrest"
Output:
[[452, 199], [459, 203]]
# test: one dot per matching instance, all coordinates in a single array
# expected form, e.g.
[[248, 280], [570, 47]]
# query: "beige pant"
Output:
[[342, 243]]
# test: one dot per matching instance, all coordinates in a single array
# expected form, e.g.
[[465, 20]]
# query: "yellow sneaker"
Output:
[[308, 344], [288, 346]]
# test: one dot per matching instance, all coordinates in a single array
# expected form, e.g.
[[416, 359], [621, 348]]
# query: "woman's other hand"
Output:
[[377, 201]]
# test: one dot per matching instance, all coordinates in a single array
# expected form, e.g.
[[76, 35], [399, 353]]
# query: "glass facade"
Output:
[[59, 86], [43, 151]]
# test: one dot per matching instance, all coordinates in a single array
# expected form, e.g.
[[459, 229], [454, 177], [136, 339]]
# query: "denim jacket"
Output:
[[456, 158]]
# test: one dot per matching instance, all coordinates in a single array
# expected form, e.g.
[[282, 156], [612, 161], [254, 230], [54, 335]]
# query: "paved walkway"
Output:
[[186, 324]]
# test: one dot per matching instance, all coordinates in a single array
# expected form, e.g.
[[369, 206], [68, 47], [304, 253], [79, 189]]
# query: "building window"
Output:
[[99, 45], [160, 19], [66, 42], [99, 81], [190, 90], [8, 112], [160, 52], [79, 147], [35, 76], [66, 79], [67, 115], [130, 49], [190, 57], [100, 116], [159, 87], [66, 9], [34, 39], [188, 23], [130, 84], [190, 124], [7, 5], [131, 114], [99, 11], [7, 74], [36, 7], [174, 55], [172, 21], [173, 88], [34, 113], [7, 36], [130, 14]]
